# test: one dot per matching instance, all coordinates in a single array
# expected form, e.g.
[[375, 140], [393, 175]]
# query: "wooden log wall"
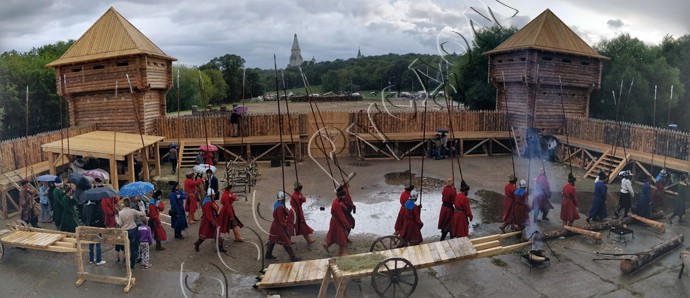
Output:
[[101, 76], [23, 152], [158, 73], [640, 137], [218, 124], [305, 98]]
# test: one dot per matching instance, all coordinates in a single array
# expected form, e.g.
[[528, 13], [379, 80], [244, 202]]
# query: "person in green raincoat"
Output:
[[66, 203]]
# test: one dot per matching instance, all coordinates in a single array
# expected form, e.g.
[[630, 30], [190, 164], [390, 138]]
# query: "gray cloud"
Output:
[[615, 23], [197, 31]]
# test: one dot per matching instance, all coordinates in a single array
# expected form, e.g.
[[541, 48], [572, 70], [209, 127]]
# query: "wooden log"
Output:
[[639, 260], [685, 258], [661, 227], [596, 226], [595, 235]]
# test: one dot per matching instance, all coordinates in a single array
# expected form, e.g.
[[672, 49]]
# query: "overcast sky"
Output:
[[196, 31]]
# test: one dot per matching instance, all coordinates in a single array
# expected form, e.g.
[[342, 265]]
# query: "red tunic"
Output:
[[508, 201], [209, 220], [569, 210], [412, 226], [109, 211], [447, 197], [208, 157], [191, 187], [301, 227], [347, 200], [337, 230], [461, 225], [521, 209], [227, 219], [155, 221], [404, 196], [658, 194], [278, 231]]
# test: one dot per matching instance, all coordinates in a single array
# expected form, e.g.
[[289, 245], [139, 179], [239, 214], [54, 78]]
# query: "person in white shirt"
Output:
[[127, 220], [626, 195]]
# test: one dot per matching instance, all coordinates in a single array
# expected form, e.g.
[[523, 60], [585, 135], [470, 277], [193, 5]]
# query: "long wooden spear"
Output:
[[668, 119], [280, 123]]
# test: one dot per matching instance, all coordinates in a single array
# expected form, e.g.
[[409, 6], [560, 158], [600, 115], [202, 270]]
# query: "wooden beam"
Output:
[[4, 204], [130, 168], [231, 153], [412, 149], [477, 146], [114, 181], [157, 162], [51, 163], [267, 151], [145, 160]]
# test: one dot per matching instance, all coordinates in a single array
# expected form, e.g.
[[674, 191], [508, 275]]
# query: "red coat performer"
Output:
[[208, 158], [508, 201], [191, 188], [208, 229], [404, 196], [569, 212], [446, 215], [521, 206], [156, 206], [351, 208], [109, 210], [228, 218], [279, 233], [462, 214], [301, 226], [411, 230], [337, 230], [542, 198]]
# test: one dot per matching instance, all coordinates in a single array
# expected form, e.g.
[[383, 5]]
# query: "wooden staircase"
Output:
[[187, 156], [608, 163]]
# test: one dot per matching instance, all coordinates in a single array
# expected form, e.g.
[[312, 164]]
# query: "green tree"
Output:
[[677, 53], [232, 68], [470, 71], [631, 59]]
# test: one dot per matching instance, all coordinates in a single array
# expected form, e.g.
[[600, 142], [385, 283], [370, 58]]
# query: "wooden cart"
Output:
[[396, 274]]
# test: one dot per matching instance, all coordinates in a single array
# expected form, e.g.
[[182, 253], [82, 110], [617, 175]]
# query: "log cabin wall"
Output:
[[530, 81], [99, 76]]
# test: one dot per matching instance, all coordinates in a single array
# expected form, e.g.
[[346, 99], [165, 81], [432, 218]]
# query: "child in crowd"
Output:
[[145, 240]]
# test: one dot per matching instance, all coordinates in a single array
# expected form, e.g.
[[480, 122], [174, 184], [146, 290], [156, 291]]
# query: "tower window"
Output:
[[546, 58], [99, 66], [584, 63], [567, 61], [122, 63], [522, 59], [510, 60], [76, 69]]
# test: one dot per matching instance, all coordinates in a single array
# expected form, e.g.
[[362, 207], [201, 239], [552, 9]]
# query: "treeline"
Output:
[[226, 80]]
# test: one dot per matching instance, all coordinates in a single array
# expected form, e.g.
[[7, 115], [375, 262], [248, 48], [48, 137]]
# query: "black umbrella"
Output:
[[80, 181], [96, 194]]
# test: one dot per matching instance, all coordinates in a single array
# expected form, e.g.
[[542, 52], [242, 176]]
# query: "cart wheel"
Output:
[[386, 243], [394, 277], [2, 251]]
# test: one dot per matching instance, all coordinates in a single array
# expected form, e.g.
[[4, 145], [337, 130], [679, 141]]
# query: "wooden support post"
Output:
[[51, 163], [145, 160], [157, 162], [130, 168], [249, 152], [327, 278], [637, 261], [4, 204], [114, 180]]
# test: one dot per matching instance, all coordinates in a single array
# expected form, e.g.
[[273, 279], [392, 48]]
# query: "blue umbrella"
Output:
[[96, 194], [138, 188], [46, 178]]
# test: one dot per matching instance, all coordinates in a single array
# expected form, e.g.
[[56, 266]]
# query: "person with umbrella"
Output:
[[93, 216], [155, 207], [57, 210], [44, 200], [208, 153], [212, 183], [191, 188], [177, 216], [27, 203], [66, 203]]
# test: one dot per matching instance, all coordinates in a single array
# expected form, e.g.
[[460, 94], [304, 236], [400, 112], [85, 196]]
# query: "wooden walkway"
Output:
[[421, 256]]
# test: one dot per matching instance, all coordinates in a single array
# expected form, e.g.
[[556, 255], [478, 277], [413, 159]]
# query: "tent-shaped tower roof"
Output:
[[111, 36], [547, 33]]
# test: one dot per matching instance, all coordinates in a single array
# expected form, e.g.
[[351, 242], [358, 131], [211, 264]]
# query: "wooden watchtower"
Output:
[[95, 69], [529, 69]]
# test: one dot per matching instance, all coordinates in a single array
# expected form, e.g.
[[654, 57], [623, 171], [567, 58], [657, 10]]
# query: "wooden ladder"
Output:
[[187, 156], [608, 163], [519, 142]]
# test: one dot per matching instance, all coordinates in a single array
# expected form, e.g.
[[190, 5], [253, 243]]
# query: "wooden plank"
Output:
[[486, 245], [493, 237], [295, 270], [448, 249], [441, 251], [434, 253], [282, 273], [426, 254]]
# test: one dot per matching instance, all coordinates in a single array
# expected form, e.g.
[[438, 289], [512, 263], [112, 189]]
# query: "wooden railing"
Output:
[[413, 122], [660, 141], [22, 152], [218, 125]]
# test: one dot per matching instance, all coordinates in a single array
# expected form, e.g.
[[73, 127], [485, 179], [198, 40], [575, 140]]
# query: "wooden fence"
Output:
[[22, 152], [660, 141], [413, 122], [218, 125]]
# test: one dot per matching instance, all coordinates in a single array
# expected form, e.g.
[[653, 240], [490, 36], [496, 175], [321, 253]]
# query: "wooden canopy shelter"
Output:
[[539, 65], [113, 146]]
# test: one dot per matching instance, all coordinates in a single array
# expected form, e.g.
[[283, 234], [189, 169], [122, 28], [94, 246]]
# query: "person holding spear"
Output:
[[462, 214], [446, 215]]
